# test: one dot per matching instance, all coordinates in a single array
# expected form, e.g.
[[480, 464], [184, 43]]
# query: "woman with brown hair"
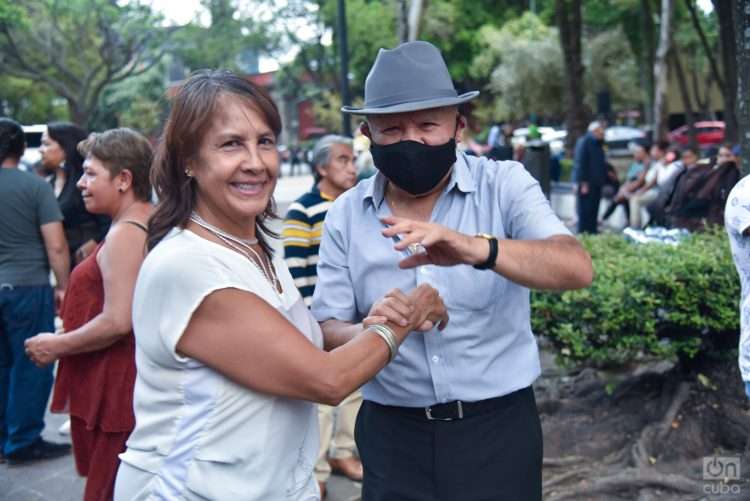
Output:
[[96, 374], [229, 359]]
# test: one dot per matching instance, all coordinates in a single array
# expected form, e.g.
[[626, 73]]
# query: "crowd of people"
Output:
[[192, 354], [664, 185]]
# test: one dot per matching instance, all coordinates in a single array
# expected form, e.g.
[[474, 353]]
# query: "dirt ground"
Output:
[[643, 433]]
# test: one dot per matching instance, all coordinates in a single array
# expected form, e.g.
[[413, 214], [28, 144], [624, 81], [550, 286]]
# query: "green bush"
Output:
[[566, 169], [648, 300]]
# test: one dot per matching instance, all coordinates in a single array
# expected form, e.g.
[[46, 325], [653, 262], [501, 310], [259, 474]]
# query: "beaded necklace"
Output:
[[241, 245]]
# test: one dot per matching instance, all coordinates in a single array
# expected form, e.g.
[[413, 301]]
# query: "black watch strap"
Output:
[[492, 258]]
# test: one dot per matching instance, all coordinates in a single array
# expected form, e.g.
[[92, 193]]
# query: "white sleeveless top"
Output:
[[199, 435]]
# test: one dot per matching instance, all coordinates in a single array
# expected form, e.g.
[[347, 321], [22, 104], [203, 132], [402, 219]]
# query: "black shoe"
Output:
[[40, 449]]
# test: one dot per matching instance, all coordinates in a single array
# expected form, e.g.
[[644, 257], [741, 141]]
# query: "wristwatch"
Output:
[[490, 262]]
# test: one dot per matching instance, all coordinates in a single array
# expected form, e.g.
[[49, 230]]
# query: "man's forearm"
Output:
[[59, 260], [338, 332], [557, 263]]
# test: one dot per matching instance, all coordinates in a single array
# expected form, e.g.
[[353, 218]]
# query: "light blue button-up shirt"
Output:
[[488, 349]]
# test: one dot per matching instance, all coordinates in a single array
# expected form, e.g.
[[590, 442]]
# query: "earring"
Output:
[[188, 173]]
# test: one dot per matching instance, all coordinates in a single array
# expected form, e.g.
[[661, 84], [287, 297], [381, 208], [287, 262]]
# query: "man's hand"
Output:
[[395, 307], [583, 189], [431, 243], [43, 349], [422, 308], [59, 298]]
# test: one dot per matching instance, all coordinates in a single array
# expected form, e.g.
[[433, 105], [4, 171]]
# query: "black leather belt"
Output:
[[451, 411]]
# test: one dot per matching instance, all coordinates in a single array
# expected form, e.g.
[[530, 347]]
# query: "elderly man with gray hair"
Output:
[[590, 168], [334, 172]]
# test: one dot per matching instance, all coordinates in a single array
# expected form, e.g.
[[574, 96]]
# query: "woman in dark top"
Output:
[[62, 160]]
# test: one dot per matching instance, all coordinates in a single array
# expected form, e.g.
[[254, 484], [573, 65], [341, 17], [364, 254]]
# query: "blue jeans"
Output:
[[24, 387]]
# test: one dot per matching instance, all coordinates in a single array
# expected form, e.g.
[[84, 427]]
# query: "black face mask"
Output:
[[412, 166]]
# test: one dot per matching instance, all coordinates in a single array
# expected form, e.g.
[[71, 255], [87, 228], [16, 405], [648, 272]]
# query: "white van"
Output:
[[31, 156]]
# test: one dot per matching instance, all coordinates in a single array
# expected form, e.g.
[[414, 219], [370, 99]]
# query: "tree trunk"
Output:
[[416, 9], [742, 31], [647, 58], [402, 20], [568, 14], [674, 56], [79, 115], [661, 71], [729, 48]]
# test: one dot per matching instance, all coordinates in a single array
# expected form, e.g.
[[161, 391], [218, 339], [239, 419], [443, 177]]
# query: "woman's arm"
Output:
[[272, 356], [119, 261]]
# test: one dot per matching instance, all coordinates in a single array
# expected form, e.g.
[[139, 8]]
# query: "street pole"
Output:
[[346, 98]]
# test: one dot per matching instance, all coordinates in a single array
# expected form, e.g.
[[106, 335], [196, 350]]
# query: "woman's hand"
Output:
[[43, 349]]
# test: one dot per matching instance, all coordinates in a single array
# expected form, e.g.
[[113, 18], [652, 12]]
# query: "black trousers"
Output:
[[495, 456], [588, 210]]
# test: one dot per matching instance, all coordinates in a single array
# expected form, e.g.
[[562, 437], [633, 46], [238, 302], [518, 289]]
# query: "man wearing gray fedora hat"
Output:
[[453, 416]]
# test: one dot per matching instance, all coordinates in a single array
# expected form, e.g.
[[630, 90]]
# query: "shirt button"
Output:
[[436, 359]]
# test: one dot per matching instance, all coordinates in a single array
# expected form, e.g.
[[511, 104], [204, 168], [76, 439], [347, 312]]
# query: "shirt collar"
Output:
[[461, 179], [325, 196]]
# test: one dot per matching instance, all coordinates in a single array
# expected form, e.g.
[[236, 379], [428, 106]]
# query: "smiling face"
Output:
[[432, 127], [236, 167]]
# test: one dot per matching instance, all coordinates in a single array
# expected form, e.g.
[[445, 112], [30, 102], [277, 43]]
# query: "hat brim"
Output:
[[413, 105]]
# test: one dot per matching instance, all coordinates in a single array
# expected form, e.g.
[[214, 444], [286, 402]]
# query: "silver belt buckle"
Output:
[[430, 417]]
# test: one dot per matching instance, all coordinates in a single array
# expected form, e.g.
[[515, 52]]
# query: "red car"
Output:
[[707, 133]]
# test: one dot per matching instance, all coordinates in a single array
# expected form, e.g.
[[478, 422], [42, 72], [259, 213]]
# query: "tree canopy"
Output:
[[75, 48]]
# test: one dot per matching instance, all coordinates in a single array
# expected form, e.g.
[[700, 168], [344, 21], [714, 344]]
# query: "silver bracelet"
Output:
[[387, 334]]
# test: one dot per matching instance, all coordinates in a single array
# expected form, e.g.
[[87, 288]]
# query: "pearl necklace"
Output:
[[241, 245]]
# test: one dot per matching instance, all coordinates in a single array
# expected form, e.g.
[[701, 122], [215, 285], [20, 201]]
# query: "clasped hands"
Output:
[[421, 309]]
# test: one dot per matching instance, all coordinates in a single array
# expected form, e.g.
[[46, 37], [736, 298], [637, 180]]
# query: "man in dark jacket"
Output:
[[590, 174]]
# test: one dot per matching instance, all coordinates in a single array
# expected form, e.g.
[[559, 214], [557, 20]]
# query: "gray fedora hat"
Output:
[[411, 77]]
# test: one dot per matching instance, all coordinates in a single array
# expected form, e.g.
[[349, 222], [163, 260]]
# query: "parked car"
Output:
[[554, 137], [707, 133], [618, 137], [31, 156]]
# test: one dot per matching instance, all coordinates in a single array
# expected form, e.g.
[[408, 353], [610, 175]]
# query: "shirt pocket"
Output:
[[466, 288]]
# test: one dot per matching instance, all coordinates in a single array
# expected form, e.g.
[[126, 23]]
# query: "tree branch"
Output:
[[704, 42]]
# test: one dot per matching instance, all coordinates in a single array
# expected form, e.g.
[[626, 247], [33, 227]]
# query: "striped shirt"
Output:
[[301, 233]]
